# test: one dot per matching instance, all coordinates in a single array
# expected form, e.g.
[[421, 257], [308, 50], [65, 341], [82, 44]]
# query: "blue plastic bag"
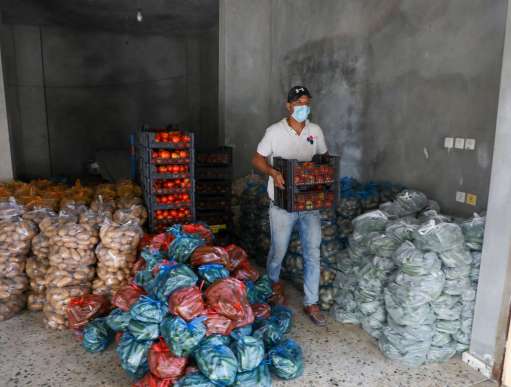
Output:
[[182, 337], [152, 257], [143, 331], [251, 292], [133, 355], [184, 244], [269, 331], [260, 377], [194, 380], [171, 278], [286, 360], [243, 331], [97, 335], [148, 310], [217, 362], [263, 289], [217, 339], [118, 320], [284, 317], [143, 279], [212, 272], [249, 352]]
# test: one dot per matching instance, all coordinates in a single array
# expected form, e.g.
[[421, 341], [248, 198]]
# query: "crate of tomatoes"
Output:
[[309, 185], [165, 139], [171, 186]]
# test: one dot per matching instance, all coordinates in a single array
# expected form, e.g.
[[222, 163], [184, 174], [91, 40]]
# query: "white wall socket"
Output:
[[448, 142], [461, 196], [459, 143], [470, 144]]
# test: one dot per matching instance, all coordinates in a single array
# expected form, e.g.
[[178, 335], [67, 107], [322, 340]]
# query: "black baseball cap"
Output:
[[296, 92]]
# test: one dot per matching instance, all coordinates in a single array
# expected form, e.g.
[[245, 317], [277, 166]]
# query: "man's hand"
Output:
[[278, 180]]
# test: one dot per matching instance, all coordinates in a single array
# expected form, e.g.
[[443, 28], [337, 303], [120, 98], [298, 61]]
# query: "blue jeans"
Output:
[[281, 225]]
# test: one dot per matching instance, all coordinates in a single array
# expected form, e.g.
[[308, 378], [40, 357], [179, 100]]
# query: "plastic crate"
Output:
[[149, 139], [220, 156], [170, 186], [213, 203], [212, 187], [215, 217], [308, 185], [213, 173]]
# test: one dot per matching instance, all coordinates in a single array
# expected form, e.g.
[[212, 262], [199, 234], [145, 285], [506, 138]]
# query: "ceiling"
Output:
[[159, 16]]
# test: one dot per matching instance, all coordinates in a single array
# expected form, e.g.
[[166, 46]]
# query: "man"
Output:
[[294, 137]]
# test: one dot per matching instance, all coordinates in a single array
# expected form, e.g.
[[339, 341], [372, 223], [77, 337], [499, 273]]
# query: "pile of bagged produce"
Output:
[[194, 314], [49, 242], [409, 277]]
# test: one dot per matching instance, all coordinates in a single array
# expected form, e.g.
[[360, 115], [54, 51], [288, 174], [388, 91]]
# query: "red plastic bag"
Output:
[[191, 369], [278, 296], [139, 264], [237, 257], [196, 228], [228, 297], [216, 324], [186, 303], [261, 310], [209, 254], [149, 380], [164, 364], [246, 273], [118, 337], [125, 297], [80, 310], [248, 317]]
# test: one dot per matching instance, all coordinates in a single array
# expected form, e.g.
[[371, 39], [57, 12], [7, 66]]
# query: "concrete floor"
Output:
[[338, 355]]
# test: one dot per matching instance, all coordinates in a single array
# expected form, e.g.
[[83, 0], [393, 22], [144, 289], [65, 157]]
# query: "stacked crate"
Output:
[[166, 169], [310, 185], [214, 186]]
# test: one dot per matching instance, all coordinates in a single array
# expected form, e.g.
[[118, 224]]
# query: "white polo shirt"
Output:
[[280, 140]]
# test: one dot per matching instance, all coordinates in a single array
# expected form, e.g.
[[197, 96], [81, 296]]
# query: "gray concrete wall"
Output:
[[6, 171], [94, 89], [389, 79], [491, 320]]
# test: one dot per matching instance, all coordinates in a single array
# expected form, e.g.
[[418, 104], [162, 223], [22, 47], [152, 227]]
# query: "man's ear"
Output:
[[288, 107]]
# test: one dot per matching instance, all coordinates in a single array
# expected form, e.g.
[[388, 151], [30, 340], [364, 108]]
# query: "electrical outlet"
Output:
[[471, 199], [470, 144], [459, 143], [448, 143], [460, 197]]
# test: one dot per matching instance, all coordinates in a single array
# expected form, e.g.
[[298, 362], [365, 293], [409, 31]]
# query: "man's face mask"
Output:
[[300, 113]]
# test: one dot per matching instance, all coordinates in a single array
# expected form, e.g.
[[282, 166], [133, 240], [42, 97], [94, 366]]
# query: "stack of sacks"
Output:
[[197, 315], [37, 264], [15, 237], [71, 268], [116, 255]]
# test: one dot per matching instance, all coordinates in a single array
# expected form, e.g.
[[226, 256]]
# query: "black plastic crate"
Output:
[[214, 187], [308, 185], [213, 202], [220, 156], [215, 217], [213, 173], [149, 139]]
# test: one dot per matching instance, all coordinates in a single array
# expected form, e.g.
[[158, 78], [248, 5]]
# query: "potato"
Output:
[[75, 236], [11, 306], [41, 245], [134, 212], [36, 301], [56, 303], [11, 286]]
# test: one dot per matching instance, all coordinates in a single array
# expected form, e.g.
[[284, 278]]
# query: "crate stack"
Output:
[[310, 185], [214, 187], [166, 166]]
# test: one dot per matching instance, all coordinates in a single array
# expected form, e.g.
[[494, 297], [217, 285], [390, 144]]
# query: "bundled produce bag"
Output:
[[133, 355], [286, 360], [36, 269], [249, 352], [259, 377], [134, 212], [55, 315], [186, 303], [217, 324], [149, 380], [126, 296], [228, 297], [118, 320], [261, 311], [171, 278], [237, 257], [182, 337], [194, 380], [184, 244], [81, 310], [163, 364], [97, 335], [212, 272], [269, 331], [148, 310], [209, 254], [217, 362], [143, 331]]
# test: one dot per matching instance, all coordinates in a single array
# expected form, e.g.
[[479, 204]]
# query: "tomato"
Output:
[[175, 155], [183, 154], [175, 139], [164, 154], [187, 139]]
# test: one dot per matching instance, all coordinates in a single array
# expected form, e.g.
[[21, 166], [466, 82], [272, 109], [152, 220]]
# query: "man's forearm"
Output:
[[260, 163]]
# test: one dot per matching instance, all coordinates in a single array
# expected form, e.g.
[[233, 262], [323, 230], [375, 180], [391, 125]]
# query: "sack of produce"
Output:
[[97, 335], [217, 362], [438, 237], [123, 237], [133, 355], [118, 320], [217, 324], [284, 317], [246, 273], [163, 364], [142, 331], [194, 380], [9, 307], [95, 219], [209, 254], [237, 257], [171, 278], [259, 377], [373, 221], [269, 331], [149, 380], [183, 245], [186, 303], [286, 360], [249, 352], [473, 230], [261, 311], [212, 272], [81, 310], [237, 333], [128, 295], [148, 310], [182, 337], [69, 276], [57, 299], [228, 297], [75, 236], [135, 212], [263, 289], [66, 259]]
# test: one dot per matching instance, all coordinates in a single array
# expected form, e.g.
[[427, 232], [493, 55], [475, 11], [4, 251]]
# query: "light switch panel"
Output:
[[470, 144], [460, 197], [459, 143], [449, 143]]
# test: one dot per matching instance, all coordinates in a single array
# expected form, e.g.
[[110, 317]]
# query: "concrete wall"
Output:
[[75, 94], [6, 171], [389, 80]]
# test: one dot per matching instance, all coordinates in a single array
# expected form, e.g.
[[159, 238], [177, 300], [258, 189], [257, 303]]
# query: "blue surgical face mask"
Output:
[[300, 113]]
